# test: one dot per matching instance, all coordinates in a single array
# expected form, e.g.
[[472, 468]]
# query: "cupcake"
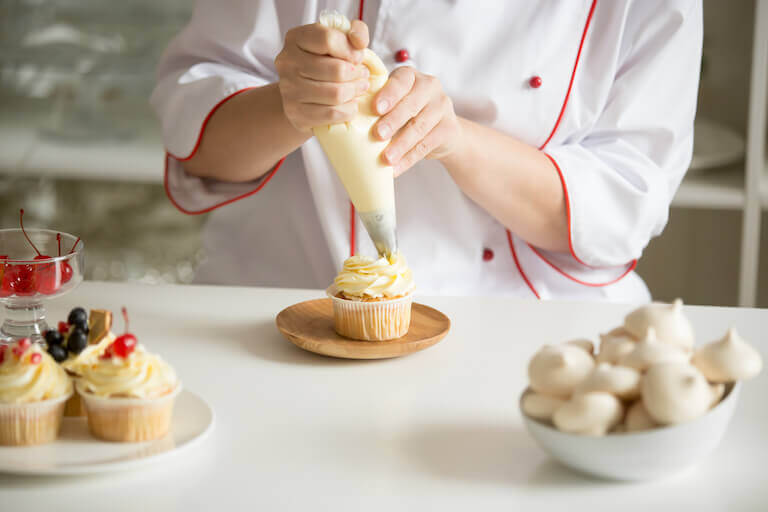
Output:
[[33, 390], [68, 341], [128, 393], [372, 298]]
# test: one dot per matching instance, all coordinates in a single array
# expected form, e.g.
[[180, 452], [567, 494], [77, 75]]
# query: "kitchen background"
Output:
[[80, 149]]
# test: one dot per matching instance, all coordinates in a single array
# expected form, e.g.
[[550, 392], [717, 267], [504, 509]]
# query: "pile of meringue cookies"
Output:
[[646, 374]]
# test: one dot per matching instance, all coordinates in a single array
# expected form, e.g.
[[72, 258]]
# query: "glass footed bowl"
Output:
[[25, 282]]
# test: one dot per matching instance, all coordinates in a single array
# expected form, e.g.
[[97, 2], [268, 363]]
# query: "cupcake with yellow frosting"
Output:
[[33, 390], [128, 393], [372, 298]]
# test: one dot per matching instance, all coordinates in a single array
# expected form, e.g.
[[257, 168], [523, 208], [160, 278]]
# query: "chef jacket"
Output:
[[605, 88]]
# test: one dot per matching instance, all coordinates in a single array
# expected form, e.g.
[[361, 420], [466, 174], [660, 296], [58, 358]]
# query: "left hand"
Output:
[[419, 117]]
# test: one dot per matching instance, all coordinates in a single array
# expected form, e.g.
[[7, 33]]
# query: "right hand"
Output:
[[321, 74]]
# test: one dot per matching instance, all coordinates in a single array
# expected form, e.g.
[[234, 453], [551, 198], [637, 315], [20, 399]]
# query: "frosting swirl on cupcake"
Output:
[[139, 375], [364, 278], [23, 381]]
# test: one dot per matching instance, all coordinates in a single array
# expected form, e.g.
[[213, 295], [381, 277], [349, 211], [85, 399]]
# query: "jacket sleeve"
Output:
[[227, 47], [620, 175]]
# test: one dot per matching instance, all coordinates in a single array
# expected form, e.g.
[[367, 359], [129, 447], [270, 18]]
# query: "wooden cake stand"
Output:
[[309, 325]]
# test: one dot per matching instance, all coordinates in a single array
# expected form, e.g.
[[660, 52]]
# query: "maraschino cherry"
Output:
[[123, 344]]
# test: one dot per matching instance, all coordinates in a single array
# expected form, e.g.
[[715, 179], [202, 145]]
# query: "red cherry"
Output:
[[19, 279], [63, 327], [35, 358], [66, 272], [124, 345], [39, 256]]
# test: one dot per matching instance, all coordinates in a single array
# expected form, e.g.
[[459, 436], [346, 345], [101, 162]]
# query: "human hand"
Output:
[[419, 117], [321, 73]]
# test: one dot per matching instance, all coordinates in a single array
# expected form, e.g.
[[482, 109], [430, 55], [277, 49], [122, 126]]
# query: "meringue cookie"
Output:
[[556, 369], [638, 418], [614, 345], [718, 390], [622, 381], [668, 320], [591, 414], [584, 343], [728, 359], [675, 392], [651, 351], [540, 407]]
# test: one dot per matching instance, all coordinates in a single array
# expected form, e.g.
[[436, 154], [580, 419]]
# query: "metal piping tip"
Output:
[[381, 226]]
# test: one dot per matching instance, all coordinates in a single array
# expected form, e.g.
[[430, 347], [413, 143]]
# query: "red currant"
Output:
[[21, 346], [35, 358], [63, 327]]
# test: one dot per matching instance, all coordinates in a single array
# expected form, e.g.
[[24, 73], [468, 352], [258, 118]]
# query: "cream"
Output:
[[363, 278], [22, 381], [352, 149], [140, 375]]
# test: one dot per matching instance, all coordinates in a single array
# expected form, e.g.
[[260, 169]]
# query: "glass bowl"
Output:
[[26, 279]]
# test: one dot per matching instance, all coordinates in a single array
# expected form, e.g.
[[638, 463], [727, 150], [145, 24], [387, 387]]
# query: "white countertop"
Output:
[[437, 430]]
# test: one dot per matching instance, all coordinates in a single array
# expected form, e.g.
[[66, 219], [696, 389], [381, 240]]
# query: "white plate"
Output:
[[76, 451]]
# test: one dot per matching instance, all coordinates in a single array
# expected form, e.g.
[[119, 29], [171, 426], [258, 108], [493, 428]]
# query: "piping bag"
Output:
[[356, 155]]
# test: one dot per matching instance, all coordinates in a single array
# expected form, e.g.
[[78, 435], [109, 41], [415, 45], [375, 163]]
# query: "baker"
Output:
[[537, 145]]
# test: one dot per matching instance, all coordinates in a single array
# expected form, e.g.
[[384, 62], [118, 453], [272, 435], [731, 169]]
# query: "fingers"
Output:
[[328, 69], [306, 116], [326, 93], [358, 35], [422, 90], [322, 40], [413, 132], [399, 84], [422, 149]]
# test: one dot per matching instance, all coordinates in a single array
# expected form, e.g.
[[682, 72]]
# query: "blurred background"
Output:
[[80, 149]]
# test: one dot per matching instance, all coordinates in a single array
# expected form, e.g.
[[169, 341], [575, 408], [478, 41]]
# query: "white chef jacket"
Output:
[[607, 89]]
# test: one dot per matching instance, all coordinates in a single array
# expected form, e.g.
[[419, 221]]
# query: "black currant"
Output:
[[58, 353], [77, 316], [77, 341], [53, 337]]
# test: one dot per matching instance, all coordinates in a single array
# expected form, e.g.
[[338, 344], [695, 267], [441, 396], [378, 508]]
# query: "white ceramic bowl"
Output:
[[644, 455]]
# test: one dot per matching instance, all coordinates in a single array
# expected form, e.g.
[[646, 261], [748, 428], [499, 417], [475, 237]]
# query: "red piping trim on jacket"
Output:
[[205, 123], [352, 225], [562, 182], [573, 74], [168, 155], [519, 267], [260, 186]]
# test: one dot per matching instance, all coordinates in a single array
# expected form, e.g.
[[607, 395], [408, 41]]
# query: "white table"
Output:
[[437, 430]]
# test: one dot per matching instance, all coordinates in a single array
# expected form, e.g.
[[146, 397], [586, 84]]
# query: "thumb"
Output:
[[358, 35]]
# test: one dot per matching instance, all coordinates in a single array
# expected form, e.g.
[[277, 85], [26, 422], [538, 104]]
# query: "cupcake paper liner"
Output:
[[31, 423], [379, 320], [129, 419]]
